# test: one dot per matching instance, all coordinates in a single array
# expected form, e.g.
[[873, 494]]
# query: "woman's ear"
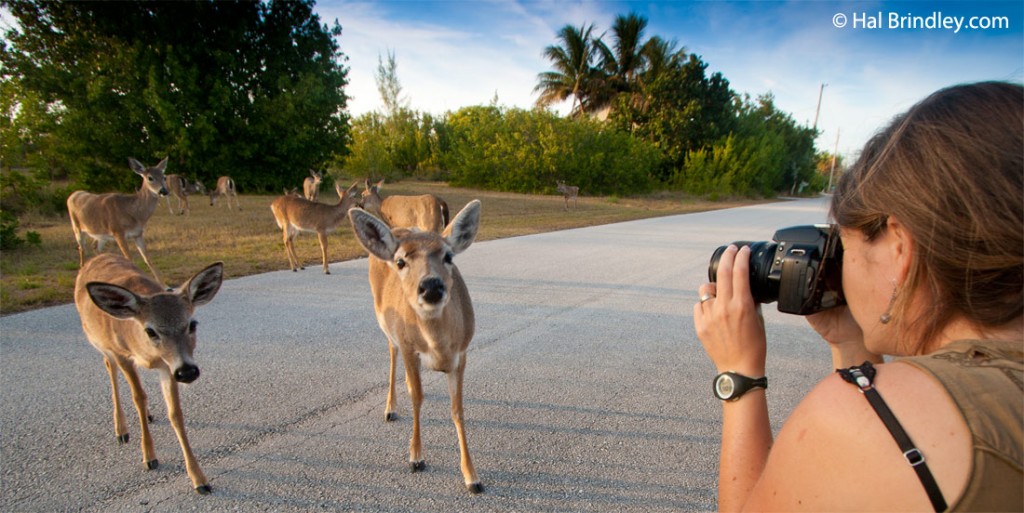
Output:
[[902, 247]]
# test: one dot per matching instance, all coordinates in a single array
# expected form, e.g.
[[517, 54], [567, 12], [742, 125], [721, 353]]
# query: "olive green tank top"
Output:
[[986, 381]]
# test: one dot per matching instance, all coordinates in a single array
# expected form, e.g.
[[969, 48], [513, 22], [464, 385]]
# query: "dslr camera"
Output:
[[801, 269]]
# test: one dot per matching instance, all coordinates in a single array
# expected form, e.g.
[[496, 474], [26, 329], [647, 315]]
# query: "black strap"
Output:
[[863, 377]]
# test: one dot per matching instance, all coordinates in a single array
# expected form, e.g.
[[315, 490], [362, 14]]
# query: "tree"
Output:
[[573, 69], [254, 90]]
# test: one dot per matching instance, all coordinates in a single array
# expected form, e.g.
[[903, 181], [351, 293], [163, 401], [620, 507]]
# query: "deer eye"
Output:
[[448, 258], [192, 327], [151, 333], [400, 263]]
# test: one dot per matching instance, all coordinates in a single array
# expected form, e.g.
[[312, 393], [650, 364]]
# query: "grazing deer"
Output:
[[569, 192], [295, 214], [427, 212], [225, 187], [118, 216], [181, 188], [294, 191], [311, 185], [423, 308], [133, 320]]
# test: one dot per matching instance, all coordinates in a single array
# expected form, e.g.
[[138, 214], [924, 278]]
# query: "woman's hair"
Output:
[[951, 169]]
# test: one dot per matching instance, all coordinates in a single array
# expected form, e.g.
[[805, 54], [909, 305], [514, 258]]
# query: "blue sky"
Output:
[[456, 53]]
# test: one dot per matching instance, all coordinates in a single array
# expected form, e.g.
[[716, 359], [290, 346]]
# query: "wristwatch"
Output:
[[729, 386]]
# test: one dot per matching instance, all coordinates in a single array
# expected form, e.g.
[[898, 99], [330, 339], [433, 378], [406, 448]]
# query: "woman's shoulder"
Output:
[[835, 453]]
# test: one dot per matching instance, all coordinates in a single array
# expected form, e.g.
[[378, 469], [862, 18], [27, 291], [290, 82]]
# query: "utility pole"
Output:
[[818, 110], [833, 171]]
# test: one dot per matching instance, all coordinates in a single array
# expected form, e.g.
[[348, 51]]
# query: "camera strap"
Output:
[[863, 378]]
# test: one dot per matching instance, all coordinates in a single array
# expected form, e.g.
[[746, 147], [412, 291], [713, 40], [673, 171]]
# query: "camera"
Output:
[[801, 269]]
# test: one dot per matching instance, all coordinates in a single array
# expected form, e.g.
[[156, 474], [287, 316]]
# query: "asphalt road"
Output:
[[586, 388]]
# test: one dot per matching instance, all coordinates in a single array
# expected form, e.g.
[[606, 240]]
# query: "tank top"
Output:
[[986, 381]]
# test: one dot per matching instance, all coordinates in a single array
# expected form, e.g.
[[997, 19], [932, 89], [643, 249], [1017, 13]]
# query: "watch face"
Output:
[[725, 386]]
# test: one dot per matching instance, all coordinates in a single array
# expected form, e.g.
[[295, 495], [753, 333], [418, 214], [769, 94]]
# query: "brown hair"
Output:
[[951, 169]]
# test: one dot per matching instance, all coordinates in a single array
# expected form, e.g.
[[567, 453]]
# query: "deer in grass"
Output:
[[133, 320], [426, 212], [181, 188], [311, 185], [225, 187], [295, 214], [424, 309], [569, 192], [118, 217]]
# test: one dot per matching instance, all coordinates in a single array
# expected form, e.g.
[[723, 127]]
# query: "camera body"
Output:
[[801, 269]]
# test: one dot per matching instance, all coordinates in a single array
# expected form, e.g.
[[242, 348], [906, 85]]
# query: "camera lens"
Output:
[[764, 289]]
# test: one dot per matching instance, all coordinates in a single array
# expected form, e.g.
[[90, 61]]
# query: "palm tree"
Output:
[[572, 68]]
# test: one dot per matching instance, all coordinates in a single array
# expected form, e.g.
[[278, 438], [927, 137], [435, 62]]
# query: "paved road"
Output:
[[586, 388]]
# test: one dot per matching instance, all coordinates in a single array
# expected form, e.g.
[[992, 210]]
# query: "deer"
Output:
[[135, 321], [294, 191], [426, 212], [295, 214], [116, 216], [181, 188], [225, 187], [569, 192], [311, 185], [424, 309]]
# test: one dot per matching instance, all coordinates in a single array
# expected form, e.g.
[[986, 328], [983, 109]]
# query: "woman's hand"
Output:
[[844, 336], [728, 322]]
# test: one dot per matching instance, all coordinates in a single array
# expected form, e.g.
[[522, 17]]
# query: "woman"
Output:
[[931, 219]]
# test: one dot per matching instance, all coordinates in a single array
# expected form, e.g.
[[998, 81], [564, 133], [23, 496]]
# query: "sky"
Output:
[[876, 59]]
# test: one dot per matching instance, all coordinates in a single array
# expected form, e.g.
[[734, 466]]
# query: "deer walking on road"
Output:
[[424, 309], [118, 217], [294, 214], [133, 320], [426, 212]]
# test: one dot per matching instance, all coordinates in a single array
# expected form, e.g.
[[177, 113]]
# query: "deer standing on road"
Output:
[[423, 308], [133, 320], [225, 187], [118, 217], [569, 192], [426, 212], [311, 185], [181, 188], [294, 214]]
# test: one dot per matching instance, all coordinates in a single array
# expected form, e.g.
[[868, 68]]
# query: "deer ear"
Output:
[[119, 302], [136, 166], [373, 234], [205, 284], [461, 232], [162, 165]]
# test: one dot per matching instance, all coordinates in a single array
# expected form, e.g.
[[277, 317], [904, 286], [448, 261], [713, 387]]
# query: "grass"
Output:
[[249, 242]]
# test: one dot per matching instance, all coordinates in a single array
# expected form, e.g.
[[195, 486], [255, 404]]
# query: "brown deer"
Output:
[[426, 212], [133, 320], [311, 185], [181, 188], [294, 214], [569, 192], [118, 217], [225, 187], [423, 308]]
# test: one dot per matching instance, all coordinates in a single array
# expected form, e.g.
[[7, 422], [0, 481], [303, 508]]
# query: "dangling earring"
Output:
[[887, 315]]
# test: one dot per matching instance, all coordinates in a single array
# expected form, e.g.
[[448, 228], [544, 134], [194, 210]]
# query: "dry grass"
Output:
[[249, 242]]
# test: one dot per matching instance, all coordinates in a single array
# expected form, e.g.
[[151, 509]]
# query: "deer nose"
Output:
[[163, 191], [432, 290], [187, 373]]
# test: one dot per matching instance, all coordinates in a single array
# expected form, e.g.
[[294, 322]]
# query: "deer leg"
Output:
[[120, 423], [389, 410], [322, 237], [455, 393], [412, 381], [174, 413], [140, 243], [185, 210], [139, 398], [289, 247]]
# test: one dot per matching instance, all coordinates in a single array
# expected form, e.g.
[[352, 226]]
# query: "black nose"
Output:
[[432, 290], [186, 373]]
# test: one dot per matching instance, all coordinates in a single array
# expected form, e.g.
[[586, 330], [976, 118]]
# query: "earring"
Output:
[[887, 315]]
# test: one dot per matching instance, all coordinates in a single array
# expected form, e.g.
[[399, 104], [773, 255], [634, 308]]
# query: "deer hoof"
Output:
[[122, 439], [417, 466], [152, 464], [475, 488], [390, 416], [204, 489]]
